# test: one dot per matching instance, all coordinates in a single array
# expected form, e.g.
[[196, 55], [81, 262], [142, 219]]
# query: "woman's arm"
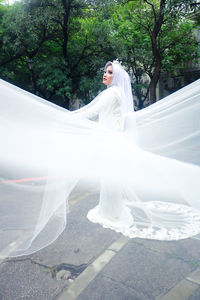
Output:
[[92, 110]]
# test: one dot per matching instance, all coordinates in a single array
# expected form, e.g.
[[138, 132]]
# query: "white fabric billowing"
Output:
[[149, 172]]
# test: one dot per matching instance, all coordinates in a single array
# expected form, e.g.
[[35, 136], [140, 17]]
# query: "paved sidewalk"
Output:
[[88, 262], [141, 269]]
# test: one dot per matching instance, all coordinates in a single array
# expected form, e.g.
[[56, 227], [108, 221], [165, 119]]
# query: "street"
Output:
[[90, 262]]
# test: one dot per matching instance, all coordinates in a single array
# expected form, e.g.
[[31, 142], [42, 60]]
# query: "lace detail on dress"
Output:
[[189, 227]]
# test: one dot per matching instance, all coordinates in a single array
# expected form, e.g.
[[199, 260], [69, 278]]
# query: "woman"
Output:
[[111, 108], [149, 183]]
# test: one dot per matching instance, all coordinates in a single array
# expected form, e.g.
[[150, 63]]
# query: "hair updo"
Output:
[[108, 64]]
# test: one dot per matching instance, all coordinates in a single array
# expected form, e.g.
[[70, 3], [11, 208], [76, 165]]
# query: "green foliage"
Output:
[[70, 41], [182, 7], [179, 39], [147, 48]]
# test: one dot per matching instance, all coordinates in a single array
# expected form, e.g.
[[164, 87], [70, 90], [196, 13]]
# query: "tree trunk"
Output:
[[153, 83], [159, 19], [66, 6], [66, 102]]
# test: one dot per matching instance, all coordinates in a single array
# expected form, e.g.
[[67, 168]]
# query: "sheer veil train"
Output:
[[147, 161]]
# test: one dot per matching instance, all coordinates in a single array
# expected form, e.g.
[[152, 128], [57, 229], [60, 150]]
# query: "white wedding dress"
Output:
[[111, 211], [147, 162]]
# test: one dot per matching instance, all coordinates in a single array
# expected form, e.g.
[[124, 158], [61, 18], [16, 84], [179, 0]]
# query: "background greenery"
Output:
[[57, 48]]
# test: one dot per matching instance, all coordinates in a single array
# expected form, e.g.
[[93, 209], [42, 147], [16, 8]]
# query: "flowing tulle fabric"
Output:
[[150, 171]]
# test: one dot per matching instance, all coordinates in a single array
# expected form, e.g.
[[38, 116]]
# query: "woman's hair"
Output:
[[109, 63]]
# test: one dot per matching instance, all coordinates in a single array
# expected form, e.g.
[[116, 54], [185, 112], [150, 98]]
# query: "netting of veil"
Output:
[[156, 174], [122, 80]]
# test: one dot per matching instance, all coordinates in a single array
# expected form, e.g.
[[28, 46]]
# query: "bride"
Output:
[[110, 108], [147, 163]]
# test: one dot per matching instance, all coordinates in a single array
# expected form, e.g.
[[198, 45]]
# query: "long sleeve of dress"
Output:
[[106, 107], [91, 110]]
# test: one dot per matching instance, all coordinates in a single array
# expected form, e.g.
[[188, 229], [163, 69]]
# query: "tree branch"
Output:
[[153, 9], [10, 59]]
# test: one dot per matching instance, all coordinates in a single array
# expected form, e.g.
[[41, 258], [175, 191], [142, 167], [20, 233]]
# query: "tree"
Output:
[[24, 33], [67, 42], [154, 40], [56, 48]]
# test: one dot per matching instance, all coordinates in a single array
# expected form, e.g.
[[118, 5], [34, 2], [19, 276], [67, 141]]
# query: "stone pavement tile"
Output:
[[195, 295], [28, 281], [182, 291], [81, 241], [105, 288], [194, 276], [187, 249], [91, 272], [148, 272]]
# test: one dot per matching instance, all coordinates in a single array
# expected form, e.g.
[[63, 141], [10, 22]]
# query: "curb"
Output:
[[83, 280], [184, 289]]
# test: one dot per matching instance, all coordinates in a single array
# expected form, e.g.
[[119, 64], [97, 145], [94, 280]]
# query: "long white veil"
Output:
[[45, 150], [122, 80]]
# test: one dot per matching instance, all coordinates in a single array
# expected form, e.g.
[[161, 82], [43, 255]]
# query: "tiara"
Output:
[[118, 63]]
